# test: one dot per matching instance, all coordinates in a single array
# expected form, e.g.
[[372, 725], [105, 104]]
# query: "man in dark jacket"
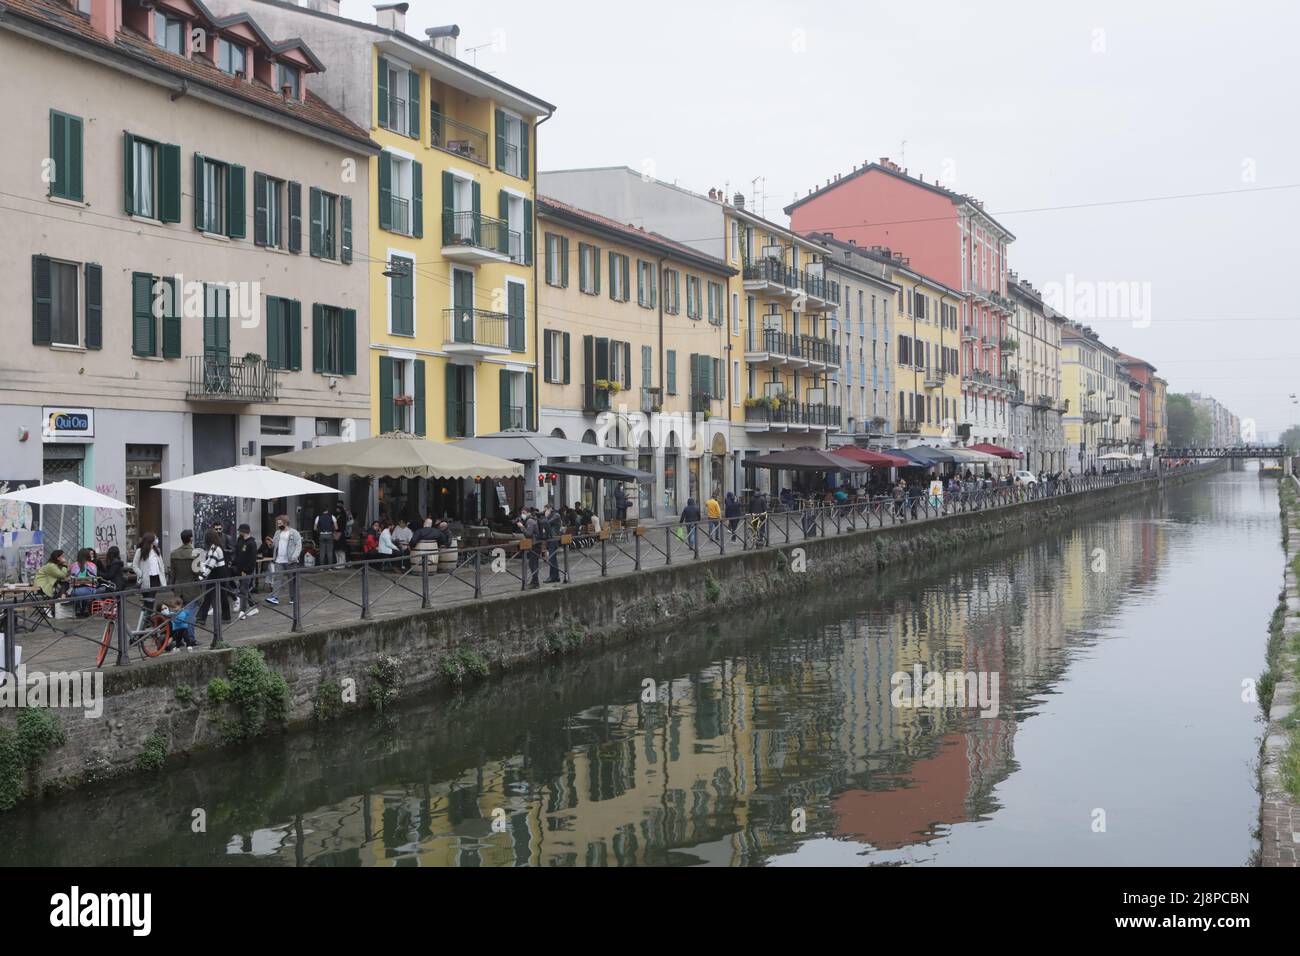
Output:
[[552, 527], [245, 569], [691, 518], [532, 528], [732, 509]]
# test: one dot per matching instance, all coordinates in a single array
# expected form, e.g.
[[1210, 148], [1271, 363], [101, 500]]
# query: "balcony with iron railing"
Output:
[[968, 333], [460, 139], [468, 236], [935, 378], [1045, 401], [595, 398], [476, 331], [782, 414], [219, 378], [908, 426], [399, 215], [652, 399]]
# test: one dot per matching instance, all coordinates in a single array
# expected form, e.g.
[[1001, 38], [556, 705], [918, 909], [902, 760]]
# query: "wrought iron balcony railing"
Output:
[[216, 378], [459, 138], [466, 326], [467, 228]]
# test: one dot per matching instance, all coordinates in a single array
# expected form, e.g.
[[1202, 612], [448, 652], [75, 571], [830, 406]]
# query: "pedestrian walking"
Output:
[[245, 565], [326, 528], [286, 547], [150, 569], [691, 518], [734, 511], [214, 574], [713, 511]]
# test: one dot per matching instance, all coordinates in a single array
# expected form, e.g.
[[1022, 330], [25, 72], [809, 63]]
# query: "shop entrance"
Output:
[[143, 473]]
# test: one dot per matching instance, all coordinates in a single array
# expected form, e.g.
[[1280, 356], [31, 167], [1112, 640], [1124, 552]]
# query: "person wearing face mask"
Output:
[[286, 547]]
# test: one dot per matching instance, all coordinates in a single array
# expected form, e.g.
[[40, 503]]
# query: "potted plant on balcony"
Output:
[[252, 358], [611, 385], [404, 400]]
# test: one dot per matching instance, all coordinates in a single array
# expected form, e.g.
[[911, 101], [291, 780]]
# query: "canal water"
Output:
[[1120, 647]]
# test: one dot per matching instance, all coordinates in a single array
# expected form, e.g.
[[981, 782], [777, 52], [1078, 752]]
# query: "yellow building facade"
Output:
[[634, 353], [452, 296]]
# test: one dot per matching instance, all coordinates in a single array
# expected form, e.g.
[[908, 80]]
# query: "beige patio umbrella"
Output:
[[396, 455]]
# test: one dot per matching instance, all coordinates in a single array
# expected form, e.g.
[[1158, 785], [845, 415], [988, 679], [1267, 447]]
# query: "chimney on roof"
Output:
[[739, 200], [443, 39], [391, 16], [713, 194], [321, 6]]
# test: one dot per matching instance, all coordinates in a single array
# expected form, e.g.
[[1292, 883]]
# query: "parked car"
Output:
[[1026, 477]]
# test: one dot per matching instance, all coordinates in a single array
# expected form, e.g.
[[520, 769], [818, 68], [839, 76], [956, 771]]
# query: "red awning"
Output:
[[995, 450], [872, 457]]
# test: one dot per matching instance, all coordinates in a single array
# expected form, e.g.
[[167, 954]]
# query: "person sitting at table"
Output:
[[422, 535], [52, 577], [114, 570], [402, 535], [85, 575]]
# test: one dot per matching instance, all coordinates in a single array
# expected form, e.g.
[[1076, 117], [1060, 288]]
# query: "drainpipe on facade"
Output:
[[530, 472]]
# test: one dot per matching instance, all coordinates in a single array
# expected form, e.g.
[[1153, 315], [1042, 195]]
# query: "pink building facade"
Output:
[[949, 237], [1144, 373]]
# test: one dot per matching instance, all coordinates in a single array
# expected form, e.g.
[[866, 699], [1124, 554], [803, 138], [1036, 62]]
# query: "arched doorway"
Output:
[[718, 466], [587, 494]]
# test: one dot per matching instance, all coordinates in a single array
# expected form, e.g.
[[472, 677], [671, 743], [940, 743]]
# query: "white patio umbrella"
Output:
[[1114, 456], [65, 494], [248, 481]]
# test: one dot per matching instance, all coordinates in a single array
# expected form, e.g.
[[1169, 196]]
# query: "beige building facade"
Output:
[[180, 288]]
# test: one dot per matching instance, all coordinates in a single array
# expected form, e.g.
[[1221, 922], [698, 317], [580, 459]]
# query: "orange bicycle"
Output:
[[151, 640]]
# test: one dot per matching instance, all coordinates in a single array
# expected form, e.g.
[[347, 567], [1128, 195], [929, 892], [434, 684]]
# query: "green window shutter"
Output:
[[626, 263], [589, 360], [128, 173], [504, 378], [385, 191], [65, 154], [448, 207], [450, 374], [274, 333], [419, 398], [524, 136], [515, 307], [345, 214], [548, 356], [503, 205], [169, 182], [349, 337], [671, 363], [549, 254], [172, 321], [413, 106], [295, 217], [613, 271], [385, 394], [528, 232], [627, 364], [295, 334], [602, 358], [259, 209], [236, 210], [695, 377], [500, 127], [317, 338], [383, 92], [142, 320], [530, 412], [74, 161], [198, 190], [566, 358], [94, 306], [417, 200], [317, 240], [595, 265], [564, 261], [41, 301], [475, 201]]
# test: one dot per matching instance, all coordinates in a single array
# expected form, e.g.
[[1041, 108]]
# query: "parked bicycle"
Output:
[[152, 637]]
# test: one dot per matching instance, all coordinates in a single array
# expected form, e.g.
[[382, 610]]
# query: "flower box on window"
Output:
[[403, 399]]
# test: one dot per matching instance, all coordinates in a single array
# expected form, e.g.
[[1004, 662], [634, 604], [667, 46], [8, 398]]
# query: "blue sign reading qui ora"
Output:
[[68, 422]]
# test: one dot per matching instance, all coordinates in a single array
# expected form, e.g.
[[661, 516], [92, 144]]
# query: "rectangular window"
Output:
[[645, 284], [169, 33], [64, 327], [288, 76], [144, 167], [694, 305], [396, 83], [283, 333], [620, 363], [334, 340], [672, 291], [65, 156], [557, 260], [268, 211], [556, 356], [647, 366], [619, 276], [213, 207], [402, 297], [397, 188], [735, 313], [715, 303], [589, 268], [510, 140], [231, 57], [324, 224]]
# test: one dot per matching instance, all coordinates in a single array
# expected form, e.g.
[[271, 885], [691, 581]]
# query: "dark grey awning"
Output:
[[598, 469]]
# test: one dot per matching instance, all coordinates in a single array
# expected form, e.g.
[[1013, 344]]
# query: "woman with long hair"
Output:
[[215, 570], [150, 569]]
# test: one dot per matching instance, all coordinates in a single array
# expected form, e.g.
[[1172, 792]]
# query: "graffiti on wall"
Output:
[[107, 521], [18, 532], [210, 510]]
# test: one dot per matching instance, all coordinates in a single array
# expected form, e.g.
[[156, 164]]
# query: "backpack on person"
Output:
[[325, 523]]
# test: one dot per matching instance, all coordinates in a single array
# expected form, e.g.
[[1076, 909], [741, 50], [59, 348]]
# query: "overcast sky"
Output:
[[1029, 106]]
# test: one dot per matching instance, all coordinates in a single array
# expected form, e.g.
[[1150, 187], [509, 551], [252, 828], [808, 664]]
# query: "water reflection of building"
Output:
[[711, 772]]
